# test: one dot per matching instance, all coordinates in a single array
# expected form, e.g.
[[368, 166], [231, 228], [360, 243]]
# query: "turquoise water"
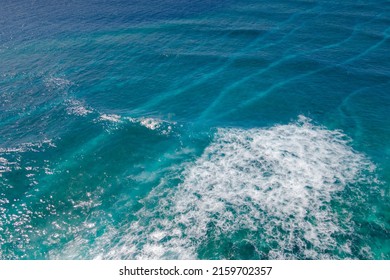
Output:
[[194, 129]]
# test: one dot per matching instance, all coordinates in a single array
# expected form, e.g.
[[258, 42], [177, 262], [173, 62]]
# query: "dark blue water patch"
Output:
[[24, 20]]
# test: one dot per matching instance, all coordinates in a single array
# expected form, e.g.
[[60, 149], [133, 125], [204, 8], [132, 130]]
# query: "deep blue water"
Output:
[[194, 129]]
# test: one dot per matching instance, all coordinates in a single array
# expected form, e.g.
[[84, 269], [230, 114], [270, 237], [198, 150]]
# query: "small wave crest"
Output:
[[77, 108], [114, 121], [161, 126]]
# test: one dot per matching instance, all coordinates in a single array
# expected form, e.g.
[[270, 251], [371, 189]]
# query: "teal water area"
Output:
[[194, 130]]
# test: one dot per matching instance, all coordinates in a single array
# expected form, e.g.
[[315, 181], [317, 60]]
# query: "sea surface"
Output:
[[194, 129]]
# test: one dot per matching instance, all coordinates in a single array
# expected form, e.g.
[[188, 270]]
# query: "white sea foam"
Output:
[[110, 118], [76, 107], [158, 125], [275, 183], [150, 123], [57, 82], [162, 126]]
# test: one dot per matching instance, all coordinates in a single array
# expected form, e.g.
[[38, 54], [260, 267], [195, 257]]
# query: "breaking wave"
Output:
[[272, 189]]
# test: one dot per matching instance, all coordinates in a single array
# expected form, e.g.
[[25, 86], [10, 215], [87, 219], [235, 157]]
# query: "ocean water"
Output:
[[177, 129]]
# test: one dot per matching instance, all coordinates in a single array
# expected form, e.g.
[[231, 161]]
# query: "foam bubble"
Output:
[[274, 184]]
